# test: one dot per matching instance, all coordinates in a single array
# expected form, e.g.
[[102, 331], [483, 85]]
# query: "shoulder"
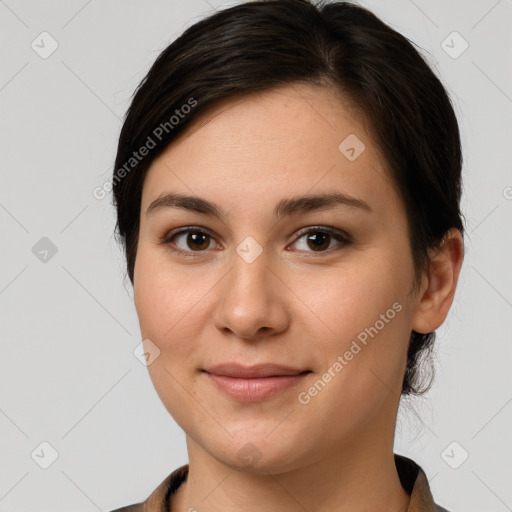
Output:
[[138, 507], [415, 482], [158, 500]]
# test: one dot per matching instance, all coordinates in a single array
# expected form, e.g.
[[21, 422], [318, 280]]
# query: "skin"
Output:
[[292, 305]]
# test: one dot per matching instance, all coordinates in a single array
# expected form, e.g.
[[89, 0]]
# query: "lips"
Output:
[[254, 383], [252, 372]]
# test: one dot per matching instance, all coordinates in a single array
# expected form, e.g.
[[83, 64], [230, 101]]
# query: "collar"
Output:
[[412, 477]]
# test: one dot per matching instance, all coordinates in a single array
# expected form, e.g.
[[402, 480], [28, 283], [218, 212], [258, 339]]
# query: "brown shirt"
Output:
[[412, 477]]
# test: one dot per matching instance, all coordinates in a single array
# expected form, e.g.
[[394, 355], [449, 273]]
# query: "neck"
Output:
[[364, 479]]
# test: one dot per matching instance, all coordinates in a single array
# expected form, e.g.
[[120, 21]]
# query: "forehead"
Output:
[[296, 108], [285, 141]]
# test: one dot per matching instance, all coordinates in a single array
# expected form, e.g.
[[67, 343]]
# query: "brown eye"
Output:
[[189, 240], [320, 239], [197, 240]]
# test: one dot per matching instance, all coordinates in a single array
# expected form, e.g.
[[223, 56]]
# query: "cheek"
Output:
[[352, 298], [367, 315], [163, 297], [166, 304], [170, 303]]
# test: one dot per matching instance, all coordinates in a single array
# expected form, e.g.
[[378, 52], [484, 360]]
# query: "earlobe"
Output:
[[436, 296]]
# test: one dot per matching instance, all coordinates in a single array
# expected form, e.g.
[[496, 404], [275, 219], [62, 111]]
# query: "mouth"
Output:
[[254, 383], [257, 371]]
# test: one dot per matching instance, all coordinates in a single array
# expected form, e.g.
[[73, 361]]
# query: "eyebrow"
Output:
[[285, 207]]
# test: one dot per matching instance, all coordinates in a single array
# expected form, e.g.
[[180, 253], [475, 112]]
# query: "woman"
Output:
[[287, 186]]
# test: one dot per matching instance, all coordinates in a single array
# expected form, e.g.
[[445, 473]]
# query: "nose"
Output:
[[253, 300]]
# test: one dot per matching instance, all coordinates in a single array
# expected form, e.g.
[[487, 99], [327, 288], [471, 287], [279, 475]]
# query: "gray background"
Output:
[[68, 375]]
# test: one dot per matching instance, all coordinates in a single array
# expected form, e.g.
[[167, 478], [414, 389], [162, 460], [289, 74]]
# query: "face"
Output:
[[321, 287]]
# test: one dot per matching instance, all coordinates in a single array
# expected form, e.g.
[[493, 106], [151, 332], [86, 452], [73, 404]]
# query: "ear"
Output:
[[437, 293]]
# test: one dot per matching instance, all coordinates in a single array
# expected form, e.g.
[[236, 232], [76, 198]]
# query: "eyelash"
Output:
[[169, 237]]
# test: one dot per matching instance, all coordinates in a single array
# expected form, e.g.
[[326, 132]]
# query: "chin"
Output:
[[257, 453]]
